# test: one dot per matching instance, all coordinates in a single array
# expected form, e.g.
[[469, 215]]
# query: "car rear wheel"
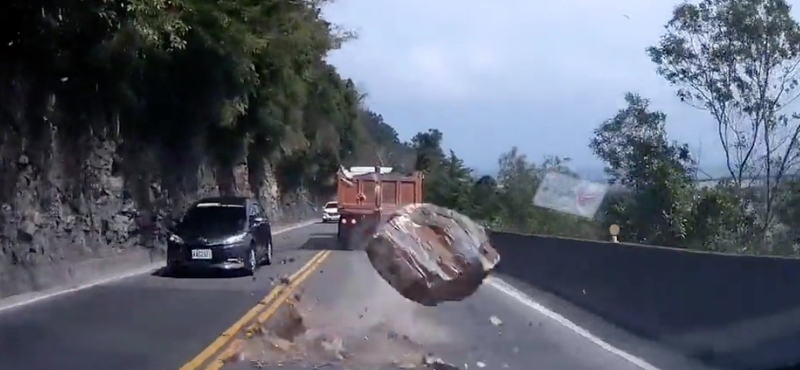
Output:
[[174, 270], [251, 262], [268, 253]]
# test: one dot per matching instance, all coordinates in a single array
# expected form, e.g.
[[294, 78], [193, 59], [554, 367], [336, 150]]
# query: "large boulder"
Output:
[[430, 254]]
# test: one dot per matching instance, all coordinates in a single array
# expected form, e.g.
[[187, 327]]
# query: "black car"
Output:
[[230, 233]]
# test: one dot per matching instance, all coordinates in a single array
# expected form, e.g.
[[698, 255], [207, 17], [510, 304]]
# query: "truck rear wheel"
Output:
[[340, 242]]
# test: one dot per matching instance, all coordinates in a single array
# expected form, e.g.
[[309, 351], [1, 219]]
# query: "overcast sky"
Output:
[[540, 75]]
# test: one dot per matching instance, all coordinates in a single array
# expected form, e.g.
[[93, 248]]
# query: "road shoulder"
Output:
[[649, 350]]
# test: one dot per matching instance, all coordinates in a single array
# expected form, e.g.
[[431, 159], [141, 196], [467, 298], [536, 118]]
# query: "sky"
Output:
[[540, 75]]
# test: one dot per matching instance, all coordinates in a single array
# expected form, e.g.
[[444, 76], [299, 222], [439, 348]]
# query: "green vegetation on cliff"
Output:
[[228, 82]]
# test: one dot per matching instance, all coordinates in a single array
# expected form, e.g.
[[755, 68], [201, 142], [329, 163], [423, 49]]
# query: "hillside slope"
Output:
[[114, 116]]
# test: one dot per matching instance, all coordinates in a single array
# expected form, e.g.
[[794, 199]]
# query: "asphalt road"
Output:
[[148, 322], [153, 322]]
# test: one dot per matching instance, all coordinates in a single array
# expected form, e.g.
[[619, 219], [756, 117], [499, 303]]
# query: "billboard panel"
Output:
[[564, 193]]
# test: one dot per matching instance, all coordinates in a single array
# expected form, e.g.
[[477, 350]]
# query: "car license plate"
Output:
[[201, 254]]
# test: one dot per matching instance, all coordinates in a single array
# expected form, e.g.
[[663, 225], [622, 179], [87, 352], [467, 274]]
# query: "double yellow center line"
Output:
[[265, 308]]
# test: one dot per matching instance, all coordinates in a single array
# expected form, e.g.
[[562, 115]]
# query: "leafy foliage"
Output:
[[634, 146], [229, 81], [738, 60]]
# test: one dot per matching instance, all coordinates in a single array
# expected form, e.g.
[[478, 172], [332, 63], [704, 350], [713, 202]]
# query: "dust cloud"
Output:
[[375, 316], [371, 326]]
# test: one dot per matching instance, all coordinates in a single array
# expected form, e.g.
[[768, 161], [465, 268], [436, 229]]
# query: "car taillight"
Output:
[[344, 220]]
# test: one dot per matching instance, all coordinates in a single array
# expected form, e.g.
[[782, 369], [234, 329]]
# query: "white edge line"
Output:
[[44, 296], [131, 273], [521, 297]]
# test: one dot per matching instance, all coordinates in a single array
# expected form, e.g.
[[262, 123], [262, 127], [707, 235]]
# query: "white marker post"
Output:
[[614, 231]]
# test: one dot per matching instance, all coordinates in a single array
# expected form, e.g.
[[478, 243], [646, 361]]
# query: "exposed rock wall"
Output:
[[71, 209]]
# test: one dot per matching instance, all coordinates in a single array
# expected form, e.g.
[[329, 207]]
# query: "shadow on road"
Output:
[[320, 242], [164, 272], [324, 242]]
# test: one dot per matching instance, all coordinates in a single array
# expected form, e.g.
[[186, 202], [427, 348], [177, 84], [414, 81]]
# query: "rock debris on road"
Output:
[[428, 254]]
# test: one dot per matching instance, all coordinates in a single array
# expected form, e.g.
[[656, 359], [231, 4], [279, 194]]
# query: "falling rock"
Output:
[[431, 254]]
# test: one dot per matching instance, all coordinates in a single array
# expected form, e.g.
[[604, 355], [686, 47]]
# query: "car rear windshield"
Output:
[[215, 218], [331, 205]]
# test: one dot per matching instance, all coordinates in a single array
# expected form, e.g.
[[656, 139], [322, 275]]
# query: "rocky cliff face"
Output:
[[71, 209]]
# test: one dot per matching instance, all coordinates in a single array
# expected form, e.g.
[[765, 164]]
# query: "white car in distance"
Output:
[[330, 213]]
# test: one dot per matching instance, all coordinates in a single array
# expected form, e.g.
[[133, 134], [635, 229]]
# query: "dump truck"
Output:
[[366, 195]]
